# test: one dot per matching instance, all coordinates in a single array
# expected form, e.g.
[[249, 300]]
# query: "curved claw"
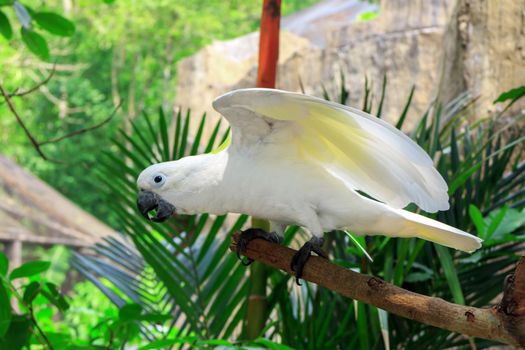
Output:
[[249, 235], [301, 257]]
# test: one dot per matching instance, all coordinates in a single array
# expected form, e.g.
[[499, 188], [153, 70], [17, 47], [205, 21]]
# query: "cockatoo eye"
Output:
[[159, 179]]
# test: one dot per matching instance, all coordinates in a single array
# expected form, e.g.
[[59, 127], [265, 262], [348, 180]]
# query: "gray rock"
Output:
[[443, 47]]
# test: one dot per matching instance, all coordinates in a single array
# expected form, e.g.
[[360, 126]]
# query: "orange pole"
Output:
[[269, 44], [257, 304]]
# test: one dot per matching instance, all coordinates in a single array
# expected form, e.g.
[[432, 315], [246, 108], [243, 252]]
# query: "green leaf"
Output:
[[163, 344], [495, 221], [54, 23], [156, 318], [271, 345], [450, 274], [359, 242], [5, 26], [512, 220], [367, 15], [418, 277], [403, 116], [5, 310], [461, 179], [197, 139], [215, 342], [513, 94], [224, 144], [4, 264], [55, 297], [130, 312], [477, 219], [35, 43], [163, 128], [31, 291], [401, 255], [18, 334], [59, 340], [6, 2], [473, 258], [29, 269], [382, 99]]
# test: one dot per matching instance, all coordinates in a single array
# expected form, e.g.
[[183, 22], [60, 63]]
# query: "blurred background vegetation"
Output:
[[177, 284], [119, 50]]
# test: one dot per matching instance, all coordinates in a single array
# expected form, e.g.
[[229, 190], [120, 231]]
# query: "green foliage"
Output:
[[88, 310], [49, 21], [119, 51], [16, 329], [30, 326]]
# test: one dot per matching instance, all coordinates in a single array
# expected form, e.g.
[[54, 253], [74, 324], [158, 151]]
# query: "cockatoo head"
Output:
[[155, 184]]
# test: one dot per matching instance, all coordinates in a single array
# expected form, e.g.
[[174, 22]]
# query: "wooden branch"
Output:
[[504, 323]]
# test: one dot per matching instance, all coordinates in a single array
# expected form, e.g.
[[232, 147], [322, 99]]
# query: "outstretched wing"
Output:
[[365, 152]]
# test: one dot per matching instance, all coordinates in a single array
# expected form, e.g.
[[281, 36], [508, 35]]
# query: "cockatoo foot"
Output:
[[301, 257], [249, 235]]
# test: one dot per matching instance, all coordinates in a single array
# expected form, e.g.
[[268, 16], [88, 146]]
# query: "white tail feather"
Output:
[[419, 226]]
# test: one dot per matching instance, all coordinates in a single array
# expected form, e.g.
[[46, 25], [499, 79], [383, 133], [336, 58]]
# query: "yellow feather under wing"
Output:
[[361, 150]]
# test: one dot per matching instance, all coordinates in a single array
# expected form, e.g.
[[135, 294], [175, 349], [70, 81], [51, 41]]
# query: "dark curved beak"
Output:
[[148, 201]]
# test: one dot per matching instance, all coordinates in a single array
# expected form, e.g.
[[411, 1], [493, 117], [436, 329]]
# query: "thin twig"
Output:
[[83, 130], [504, 323], [111, 338], [36, 87], [35, 143], [42, 333]]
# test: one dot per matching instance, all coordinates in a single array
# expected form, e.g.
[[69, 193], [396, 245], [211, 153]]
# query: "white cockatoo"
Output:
[[297, 159]]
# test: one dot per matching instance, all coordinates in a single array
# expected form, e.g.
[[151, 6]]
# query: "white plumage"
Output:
[[297, 159]]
